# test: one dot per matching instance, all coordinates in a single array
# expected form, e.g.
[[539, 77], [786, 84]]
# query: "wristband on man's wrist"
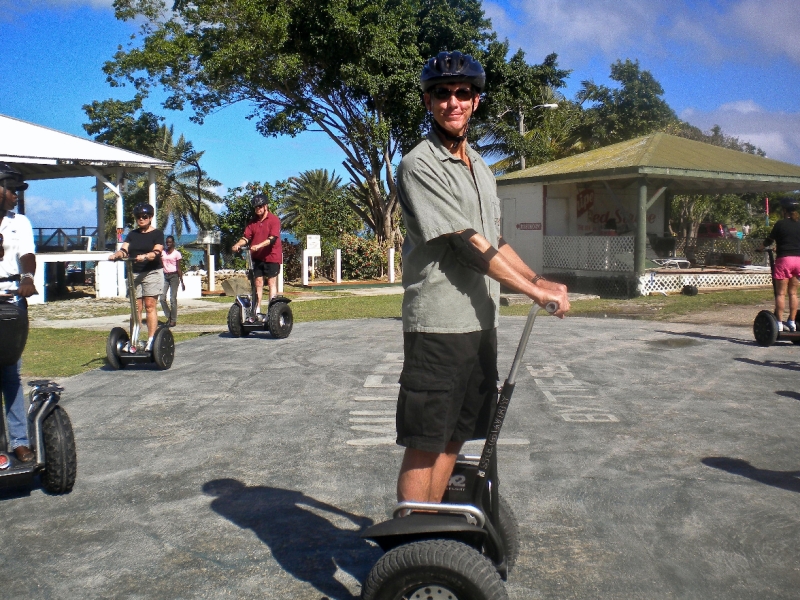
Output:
[[537, 279], [25, 276]]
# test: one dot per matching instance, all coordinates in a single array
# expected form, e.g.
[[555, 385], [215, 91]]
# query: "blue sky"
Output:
[[734, 63]]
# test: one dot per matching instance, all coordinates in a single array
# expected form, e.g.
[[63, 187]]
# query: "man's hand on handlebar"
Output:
[[26, 288]]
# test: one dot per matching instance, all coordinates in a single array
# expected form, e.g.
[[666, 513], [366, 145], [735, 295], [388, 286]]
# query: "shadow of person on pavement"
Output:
[[785, 480], [311, 540]]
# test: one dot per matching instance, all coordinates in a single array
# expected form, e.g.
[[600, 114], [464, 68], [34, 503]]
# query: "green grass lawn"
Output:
[[333, 309], [66, 352]]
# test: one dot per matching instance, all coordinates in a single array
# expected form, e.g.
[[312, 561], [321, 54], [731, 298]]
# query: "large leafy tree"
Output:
[[349, 69], [517, 126], [632, 109]]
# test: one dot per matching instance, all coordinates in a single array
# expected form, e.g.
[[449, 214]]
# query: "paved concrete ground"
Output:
[[643, 460]]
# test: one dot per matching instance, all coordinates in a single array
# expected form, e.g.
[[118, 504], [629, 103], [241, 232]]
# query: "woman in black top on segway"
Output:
[[786, 235], [144, 246]]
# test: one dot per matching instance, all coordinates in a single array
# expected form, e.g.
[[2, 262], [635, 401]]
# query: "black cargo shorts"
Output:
[[447, 388]]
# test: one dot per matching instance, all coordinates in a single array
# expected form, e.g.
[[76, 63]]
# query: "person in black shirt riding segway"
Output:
[[144, 246]]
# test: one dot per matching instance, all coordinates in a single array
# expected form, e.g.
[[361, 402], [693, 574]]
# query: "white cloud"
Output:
[[579, 30], [777, 133], [741, 106], [44, 211]]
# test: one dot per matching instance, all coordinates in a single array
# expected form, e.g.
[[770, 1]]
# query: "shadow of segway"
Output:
[[311, 540]]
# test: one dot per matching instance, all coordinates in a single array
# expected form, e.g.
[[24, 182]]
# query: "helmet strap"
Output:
[[449, 136]]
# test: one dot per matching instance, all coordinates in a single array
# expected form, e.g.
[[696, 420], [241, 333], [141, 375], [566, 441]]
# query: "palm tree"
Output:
[[185, 191]]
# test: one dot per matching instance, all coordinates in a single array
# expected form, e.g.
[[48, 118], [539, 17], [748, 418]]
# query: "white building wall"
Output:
[[523, 221]]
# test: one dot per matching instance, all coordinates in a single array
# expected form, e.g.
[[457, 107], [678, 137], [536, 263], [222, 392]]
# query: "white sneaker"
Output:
[[790, 326], [780, 326]]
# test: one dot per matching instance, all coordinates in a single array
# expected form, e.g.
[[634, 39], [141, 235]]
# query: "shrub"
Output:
[[362, 258]]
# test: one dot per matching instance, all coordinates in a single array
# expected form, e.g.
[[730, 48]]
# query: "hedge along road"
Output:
[[642, 459]]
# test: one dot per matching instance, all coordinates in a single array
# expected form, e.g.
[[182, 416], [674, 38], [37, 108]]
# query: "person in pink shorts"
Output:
[[786, 235], [171, 259]]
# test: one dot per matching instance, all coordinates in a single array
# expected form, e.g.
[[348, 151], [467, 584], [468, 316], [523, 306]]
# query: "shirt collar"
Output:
[[441, 151]]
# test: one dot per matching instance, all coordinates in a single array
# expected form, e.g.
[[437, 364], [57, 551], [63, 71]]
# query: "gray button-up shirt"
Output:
[[439, 195]]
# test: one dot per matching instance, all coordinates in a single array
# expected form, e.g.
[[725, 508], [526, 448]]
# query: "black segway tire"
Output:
[[765, 328], [280, 320], [509, 531], [163, 348], [60, 458], [434, 569], [116, 341], [235, 322]]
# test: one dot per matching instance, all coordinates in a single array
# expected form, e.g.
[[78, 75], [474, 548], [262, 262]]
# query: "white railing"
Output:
[[588, 253]]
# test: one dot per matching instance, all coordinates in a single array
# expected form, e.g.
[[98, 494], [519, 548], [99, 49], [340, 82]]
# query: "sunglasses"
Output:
[[461, 94], [143, 216]]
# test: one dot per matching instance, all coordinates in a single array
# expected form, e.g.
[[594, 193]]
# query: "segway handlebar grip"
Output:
[[551, 307]]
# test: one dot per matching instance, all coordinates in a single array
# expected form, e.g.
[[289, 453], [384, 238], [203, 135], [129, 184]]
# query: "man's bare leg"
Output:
[[424, 475], [273, 287], [259, 292]]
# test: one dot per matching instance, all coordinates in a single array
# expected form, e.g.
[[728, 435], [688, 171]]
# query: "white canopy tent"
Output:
[[43, 153]]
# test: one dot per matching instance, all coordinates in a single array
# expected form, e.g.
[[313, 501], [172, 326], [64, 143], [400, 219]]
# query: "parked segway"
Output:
[[242, 316], [49, 427], [765, 326], [123, 349], [463, 548]]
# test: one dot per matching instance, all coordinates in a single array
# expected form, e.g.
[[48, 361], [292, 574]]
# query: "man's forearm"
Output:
[[28, 263], [505, 271]]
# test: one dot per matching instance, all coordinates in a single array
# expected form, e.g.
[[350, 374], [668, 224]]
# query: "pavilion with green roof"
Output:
[[628, 185]]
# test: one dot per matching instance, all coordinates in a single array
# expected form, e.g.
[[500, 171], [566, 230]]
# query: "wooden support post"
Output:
[[640, 239]]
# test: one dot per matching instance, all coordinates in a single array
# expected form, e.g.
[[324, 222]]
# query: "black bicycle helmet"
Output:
[[790, 204], [260, 200], [11, 179], [452, 67], [143, 208]]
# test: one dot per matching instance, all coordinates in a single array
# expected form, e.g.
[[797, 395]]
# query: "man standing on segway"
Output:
[[263, 233], [454, 261], [17, 258]]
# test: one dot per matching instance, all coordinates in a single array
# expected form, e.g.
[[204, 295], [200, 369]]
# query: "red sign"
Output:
[[529, 226], [585, 201]]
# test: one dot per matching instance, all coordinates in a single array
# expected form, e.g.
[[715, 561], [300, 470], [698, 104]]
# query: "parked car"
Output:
[[714, 230]]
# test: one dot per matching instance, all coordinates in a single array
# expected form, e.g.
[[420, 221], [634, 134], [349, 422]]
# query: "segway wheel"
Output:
[[434, 569], [60, 458], [116, 342], [235, 322], [509, 531], [280, 320], [765, 328], [163, 348]]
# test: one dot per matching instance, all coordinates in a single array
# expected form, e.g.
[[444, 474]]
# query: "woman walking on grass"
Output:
[[171, 259]]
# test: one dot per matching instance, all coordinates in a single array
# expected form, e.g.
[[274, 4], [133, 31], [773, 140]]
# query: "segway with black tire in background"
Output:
[[49, 428], [765, 325], [123, 350], [242, 316], [463, 547]]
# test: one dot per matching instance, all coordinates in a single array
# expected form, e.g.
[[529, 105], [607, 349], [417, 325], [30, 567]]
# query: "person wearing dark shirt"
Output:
[[786, 235], [263, 234], [144, 245]]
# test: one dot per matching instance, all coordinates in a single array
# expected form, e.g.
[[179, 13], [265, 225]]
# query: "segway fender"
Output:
[[421, 526], [283, 299]]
